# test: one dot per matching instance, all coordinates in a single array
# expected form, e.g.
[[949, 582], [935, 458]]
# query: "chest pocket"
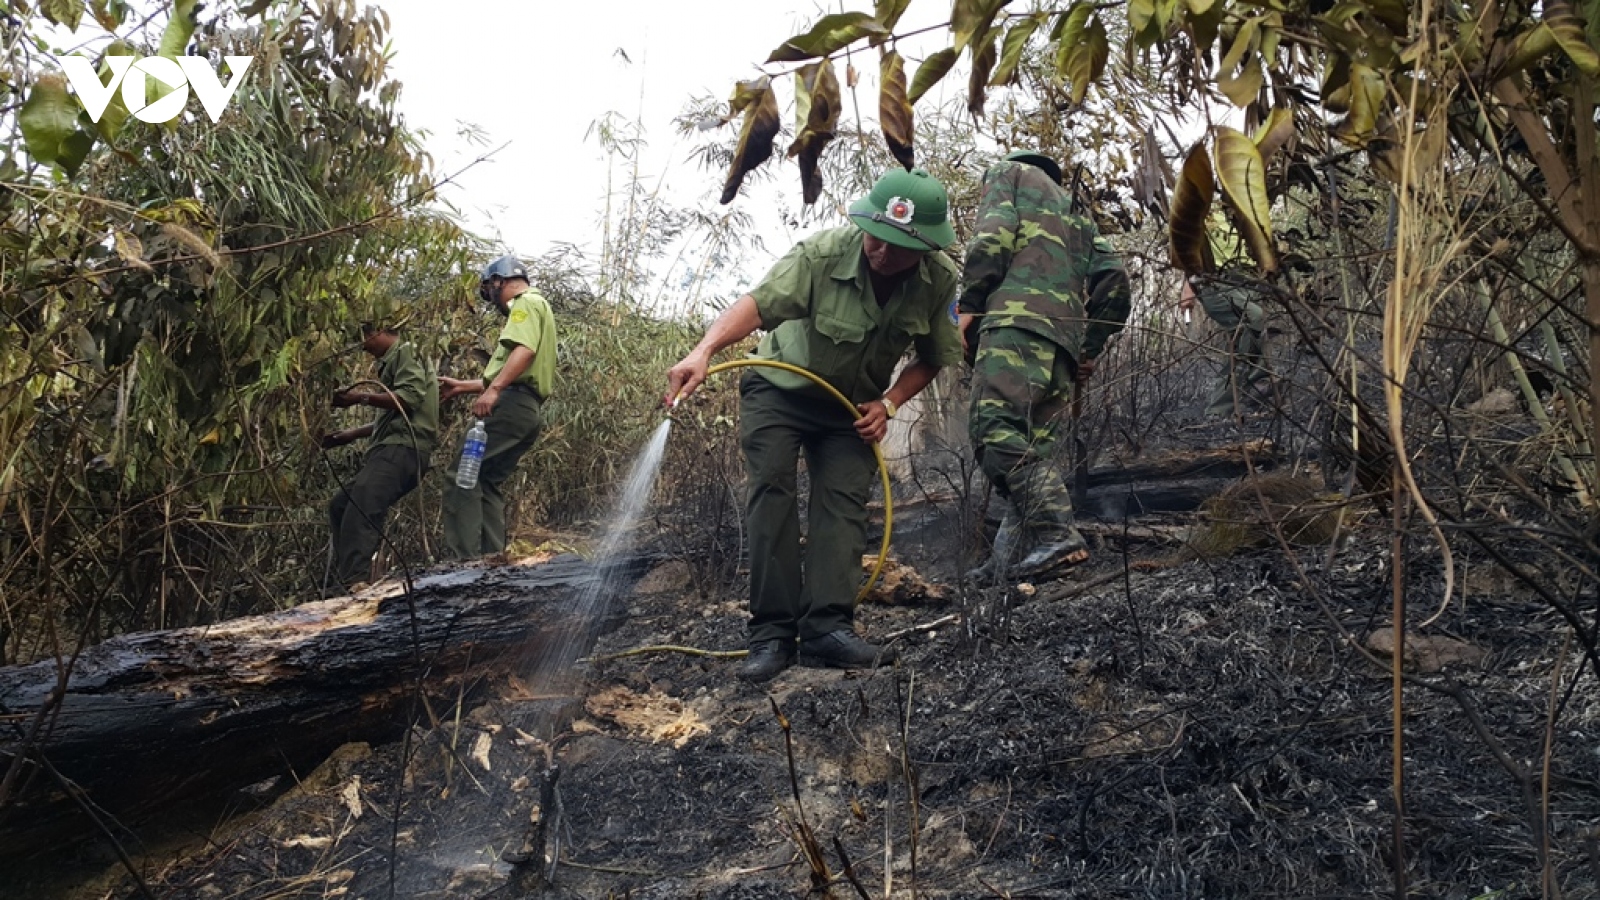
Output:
[[837, 345], [909, 324]]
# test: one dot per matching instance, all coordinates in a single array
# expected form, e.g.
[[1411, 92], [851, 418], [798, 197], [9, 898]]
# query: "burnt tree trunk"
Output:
[[147, 721]]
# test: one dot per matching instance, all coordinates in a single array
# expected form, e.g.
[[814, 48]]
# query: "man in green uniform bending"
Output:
[[517, 380], [844, 304], [1045, 293], [400, 441]]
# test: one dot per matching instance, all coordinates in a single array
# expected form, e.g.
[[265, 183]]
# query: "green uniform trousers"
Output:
[[358, 510], [1234, 311], [1021, 390], [775, 427], [475, 520]]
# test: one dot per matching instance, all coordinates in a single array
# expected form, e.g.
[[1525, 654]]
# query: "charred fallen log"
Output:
[[144, 722]]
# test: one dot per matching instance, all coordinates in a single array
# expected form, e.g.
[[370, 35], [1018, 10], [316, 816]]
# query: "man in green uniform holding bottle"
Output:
[[844, 304], [400, 441], [515, 383], [1045, 293]]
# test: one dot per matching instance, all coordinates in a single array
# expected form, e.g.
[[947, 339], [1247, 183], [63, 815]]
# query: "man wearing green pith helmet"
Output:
[[514, 386], [1043, 292], [845, 304]]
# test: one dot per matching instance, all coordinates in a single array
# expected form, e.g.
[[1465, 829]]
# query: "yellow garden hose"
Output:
[[877, 452]]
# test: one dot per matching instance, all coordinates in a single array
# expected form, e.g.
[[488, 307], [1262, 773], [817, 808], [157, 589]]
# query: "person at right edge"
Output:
[[1044, 293], [844, 304], [514, 386]]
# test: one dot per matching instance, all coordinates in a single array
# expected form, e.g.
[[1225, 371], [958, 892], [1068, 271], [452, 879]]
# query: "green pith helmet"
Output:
[[1050, 166], [907, 209]]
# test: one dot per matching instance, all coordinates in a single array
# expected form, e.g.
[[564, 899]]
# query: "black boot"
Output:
[[767, 659], [1059, 542], [843, 650], [1002, 556]]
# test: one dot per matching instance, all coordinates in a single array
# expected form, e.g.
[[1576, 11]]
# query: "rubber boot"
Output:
[[1058, 540], [1006, 542]]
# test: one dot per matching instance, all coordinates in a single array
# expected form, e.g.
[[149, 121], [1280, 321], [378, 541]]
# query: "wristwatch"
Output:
[[889, 407]]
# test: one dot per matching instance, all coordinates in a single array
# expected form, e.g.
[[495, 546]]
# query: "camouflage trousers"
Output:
[[1021, 391], [1233, 310]]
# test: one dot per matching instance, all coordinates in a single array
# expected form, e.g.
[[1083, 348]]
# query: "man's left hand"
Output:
[[344, 398], [484, 405], [874, 421], [1085, 369]]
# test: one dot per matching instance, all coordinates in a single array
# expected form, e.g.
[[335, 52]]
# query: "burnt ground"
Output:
[[1150, 725], [1145, 727]]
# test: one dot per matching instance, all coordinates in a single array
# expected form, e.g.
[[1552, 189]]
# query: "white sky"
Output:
[[539, 74]]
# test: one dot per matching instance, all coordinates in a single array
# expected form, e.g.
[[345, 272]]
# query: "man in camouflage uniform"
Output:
[[844, 304], [1230, 302], [1045, 293], [400, 441]]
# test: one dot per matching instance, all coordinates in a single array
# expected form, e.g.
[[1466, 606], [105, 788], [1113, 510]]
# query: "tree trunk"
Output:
[[147, 721]]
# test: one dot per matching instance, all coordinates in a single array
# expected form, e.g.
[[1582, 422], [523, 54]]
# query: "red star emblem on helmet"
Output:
[[899, 209]]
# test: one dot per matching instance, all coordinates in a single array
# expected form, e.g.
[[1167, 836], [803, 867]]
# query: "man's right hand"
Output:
[[334, 439], [450, 388], [684, 378]]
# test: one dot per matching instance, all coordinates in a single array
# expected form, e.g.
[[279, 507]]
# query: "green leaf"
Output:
[[894, 109], [1011, 50], [1530, 46], [756, 136], [932, 69], [1336, 84], [1204, 21], [1568, 30], [48, 119], [1191, 206], [1368, 101], [1275, 132], [67, 13], [1150, 19], [983, 59], [971, 19], [817, 101], [744, 94], [829, 34], [180, 28], [1591, 15], [74, 150], [110, 14], [1392, 13], [1083, 49], [1140, 14], [888, 13], [116, 115], [1242, 85], [1244, 185]]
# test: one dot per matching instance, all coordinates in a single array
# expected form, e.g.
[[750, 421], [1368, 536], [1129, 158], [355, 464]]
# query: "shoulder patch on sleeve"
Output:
[[519, 316]]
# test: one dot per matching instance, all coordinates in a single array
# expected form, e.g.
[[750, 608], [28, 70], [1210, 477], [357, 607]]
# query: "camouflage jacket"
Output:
[[1033, 265]]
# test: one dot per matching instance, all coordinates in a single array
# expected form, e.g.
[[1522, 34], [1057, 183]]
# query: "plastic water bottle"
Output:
[[472, 457]]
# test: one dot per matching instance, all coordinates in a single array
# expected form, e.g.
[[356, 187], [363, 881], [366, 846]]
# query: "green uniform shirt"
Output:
[[1033, 265], [818, 307], [530, 324], [402, 371]]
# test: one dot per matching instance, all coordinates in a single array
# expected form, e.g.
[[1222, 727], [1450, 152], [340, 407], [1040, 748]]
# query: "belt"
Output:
[[522, 387]]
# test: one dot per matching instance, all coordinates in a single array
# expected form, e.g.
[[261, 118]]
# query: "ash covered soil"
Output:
[[1142, 727]]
